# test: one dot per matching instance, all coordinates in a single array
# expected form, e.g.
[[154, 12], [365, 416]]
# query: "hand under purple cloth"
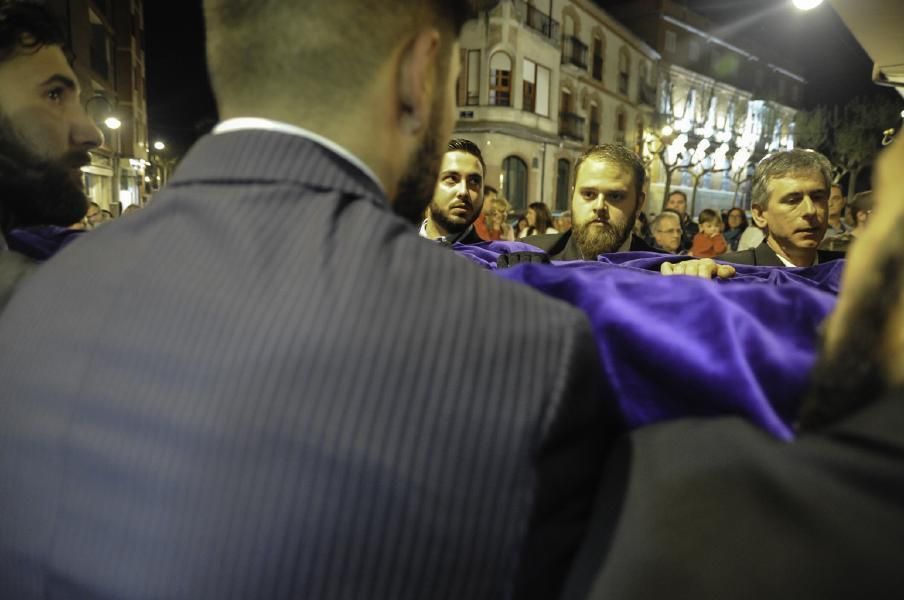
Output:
[[683, 346]]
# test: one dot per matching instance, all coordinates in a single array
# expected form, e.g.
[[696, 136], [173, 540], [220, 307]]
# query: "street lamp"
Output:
[[158, 145], [806, 4], [112, 122]]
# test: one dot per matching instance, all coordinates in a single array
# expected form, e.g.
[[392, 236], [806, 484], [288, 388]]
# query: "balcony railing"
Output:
[[574, 52], [571, 126], [537, 20]]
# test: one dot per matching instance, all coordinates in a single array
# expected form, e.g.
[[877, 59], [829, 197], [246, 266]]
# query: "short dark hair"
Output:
[[787, 162], [862, 202], [708, 215], [329, 48], [468, 147], [679, 193], [619, 155], [27, 27]]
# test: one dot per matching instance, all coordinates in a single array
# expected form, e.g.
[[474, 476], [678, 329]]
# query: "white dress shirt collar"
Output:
[[257, 123]]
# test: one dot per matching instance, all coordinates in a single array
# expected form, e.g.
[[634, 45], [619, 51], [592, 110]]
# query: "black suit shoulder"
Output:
[[764, 256], [559, 246], [732, 509], [13, 268]]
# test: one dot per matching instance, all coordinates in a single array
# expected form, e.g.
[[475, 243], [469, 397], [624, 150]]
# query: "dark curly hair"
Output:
[[27, 26]]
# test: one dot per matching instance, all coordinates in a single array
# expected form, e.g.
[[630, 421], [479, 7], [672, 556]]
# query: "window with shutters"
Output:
[[535, 88], [501, 80], [469, 80]]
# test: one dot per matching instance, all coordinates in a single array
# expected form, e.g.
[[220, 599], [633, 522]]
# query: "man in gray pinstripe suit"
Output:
[[272, 394]]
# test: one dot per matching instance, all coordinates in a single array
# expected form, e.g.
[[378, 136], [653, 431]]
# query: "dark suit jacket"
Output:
[[563, 246], [13, 268], [713, 509], [275, 391], [764, 256]]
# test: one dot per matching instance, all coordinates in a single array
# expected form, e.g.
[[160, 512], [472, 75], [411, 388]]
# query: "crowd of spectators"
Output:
[[279, 389]]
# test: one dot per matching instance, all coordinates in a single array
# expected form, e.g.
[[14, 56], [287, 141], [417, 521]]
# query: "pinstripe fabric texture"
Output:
[[266, 385]]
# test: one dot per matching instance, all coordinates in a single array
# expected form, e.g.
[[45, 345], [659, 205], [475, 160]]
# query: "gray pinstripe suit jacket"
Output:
[[268, 386]]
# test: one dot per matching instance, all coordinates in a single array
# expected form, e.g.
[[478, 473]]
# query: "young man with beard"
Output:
[[280, 390], [607, 196], [789, 197], [458, 198], [717, 509], [45, 136]]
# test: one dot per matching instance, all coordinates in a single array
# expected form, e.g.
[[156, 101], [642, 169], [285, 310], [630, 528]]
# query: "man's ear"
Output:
[[417, 70], [759, 216]]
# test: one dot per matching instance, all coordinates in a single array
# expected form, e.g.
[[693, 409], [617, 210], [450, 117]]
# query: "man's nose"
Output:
[[808, 205], [600, 207], [85, 134]]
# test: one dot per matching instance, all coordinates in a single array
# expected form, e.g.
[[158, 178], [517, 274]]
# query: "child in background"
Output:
[[709, 242]]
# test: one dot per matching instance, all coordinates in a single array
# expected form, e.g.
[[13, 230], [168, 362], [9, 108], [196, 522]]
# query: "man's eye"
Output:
[[55, 95], [588, 195]]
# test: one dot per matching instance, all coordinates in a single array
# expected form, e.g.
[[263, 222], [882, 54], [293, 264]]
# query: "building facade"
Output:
[[720, 107], [540, 82], [107, 39]]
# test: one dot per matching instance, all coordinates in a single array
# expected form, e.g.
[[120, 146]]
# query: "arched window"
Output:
[[624, 71], [621, 126], [514, 182], [638, 136], [563, 179], [598, 51], [501, 80], [594, 137]]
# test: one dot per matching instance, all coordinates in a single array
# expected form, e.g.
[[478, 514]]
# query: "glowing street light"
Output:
[[158, 145], [112, 123], [806, 4]]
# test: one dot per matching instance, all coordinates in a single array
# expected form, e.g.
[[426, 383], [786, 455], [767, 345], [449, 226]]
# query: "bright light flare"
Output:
[[806, 4], [159, 146], [113, 123]]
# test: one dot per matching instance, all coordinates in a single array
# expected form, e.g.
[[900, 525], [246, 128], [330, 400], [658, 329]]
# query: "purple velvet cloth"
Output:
[[682, 346], [41, 242]]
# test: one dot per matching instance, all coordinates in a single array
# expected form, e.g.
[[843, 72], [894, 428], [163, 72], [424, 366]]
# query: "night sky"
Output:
[[820, 48]]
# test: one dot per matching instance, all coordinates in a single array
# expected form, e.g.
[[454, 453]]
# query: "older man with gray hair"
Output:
[[667, 231], [790, 203]]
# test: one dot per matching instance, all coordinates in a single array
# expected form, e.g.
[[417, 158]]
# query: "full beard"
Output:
[[852, 376], [609, 237], [419, 182], [442, 219], [36, 191]]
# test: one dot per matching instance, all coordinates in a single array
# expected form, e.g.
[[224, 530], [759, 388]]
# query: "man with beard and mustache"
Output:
[[458, 197], [44, 139], [280, 390], [717, 509], [607, 196]]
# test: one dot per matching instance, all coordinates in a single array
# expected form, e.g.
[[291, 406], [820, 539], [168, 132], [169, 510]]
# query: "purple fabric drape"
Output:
[[41, 242], [681, 346]]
